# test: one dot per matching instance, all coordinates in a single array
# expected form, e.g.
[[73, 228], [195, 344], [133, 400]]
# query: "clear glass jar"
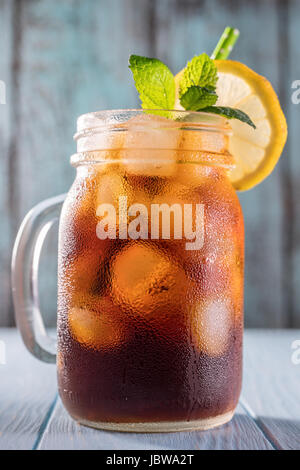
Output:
[[150, 274]]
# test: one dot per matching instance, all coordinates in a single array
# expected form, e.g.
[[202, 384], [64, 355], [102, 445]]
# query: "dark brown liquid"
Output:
[[145, 352], [149, 379]]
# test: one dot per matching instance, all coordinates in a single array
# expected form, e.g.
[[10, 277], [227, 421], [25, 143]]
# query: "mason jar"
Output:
[[150, 274]]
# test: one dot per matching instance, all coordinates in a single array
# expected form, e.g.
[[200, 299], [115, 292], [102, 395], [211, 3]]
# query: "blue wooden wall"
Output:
[[62, 58]]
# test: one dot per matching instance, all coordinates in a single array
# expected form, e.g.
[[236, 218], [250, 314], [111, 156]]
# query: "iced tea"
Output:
[[150, 304]]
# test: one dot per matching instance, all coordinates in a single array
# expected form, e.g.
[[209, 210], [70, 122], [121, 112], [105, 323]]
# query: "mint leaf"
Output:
[[230, 113], [200, 71], [196, 98], [154, 81]]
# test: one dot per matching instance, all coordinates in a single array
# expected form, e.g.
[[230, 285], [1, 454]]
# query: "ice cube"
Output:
[[109, 142], [110, 194], [194, 141], [151, 143], [212, 321], [78, 220], [170, 204], [128, 202], [99, 328], [193, 175], [101, 147], [86, 273], [198, 147], [111, 186], [145, 280]]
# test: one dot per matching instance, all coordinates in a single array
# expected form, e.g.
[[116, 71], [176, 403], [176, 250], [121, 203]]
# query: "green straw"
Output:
[[226, 43]]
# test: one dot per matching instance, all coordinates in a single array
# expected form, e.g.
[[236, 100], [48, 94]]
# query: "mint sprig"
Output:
[[154, 81], [197, 87]]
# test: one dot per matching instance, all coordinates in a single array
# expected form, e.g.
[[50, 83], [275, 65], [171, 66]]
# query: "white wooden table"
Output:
[[268, 416]]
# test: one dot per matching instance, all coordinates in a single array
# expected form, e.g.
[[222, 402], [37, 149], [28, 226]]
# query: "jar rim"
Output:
[[115, 119], [195, 136]]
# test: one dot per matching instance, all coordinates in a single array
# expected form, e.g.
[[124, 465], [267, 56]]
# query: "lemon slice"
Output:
[[256, 151]]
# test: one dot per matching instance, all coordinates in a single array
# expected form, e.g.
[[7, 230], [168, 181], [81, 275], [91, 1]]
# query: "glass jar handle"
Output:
[[25, 261]]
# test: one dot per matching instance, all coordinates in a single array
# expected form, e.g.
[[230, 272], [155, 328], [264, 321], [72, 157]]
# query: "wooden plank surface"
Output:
[[240, 433], [272, 385], [268, 416], [27, 391], [6, 168]]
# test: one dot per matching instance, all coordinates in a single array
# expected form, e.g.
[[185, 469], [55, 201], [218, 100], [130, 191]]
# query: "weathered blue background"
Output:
[[62, 58]]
